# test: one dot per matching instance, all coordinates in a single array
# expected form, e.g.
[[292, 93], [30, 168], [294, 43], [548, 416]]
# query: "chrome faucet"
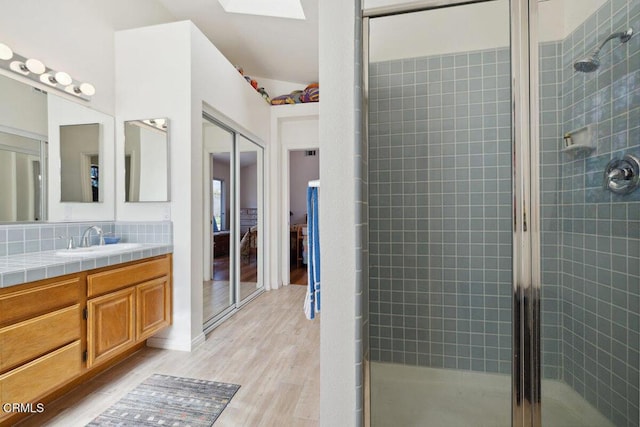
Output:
[[85, 241]]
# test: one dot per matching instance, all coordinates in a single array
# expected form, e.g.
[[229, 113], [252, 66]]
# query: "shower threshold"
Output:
[[410, 396]]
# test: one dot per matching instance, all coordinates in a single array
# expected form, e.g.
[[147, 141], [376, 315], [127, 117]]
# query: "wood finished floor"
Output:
[[298, 276], [268, 347]]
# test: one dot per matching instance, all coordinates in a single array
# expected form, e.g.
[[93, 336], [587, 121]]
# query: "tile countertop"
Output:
[[29, 267]]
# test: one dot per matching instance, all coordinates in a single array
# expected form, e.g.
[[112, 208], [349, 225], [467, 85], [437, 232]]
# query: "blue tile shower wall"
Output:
[[550, 136], [600, 247], [440, 211], [590, 238]]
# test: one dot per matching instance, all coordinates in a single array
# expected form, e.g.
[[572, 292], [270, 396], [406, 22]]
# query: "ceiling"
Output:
[[273, 48]]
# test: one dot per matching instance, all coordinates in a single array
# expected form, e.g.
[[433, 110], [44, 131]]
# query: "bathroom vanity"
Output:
[[58, 332]]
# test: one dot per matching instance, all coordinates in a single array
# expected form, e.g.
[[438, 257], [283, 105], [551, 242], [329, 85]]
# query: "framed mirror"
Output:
[[146, 160], [80, 147]]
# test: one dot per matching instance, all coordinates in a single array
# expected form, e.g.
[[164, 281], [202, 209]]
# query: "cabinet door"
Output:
[[110, 325], [153, 307]]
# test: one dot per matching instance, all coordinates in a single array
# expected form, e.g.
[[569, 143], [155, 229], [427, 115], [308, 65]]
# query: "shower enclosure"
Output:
[[504, 219]]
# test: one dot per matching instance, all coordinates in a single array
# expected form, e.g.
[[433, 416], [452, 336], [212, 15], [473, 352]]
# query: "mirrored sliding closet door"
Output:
[[233, 173]]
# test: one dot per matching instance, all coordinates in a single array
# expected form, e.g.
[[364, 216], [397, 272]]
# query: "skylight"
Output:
[[278, 8]]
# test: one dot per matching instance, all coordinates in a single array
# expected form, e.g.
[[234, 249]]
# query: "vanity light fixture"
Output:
[[5, 52], [35, 70]]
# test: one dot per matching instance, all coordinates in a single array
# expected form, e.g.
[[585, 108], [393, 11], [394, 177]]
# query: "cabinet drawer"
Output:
[[153, 307], [118, 278], [32, 338], [23, 304], [35, 379]]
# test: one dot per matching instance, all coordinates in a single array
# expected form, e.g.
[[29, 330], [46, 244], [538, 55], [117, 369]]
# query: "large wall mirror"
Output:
[[44, 175], [146, 160], [80, 147], [22, 163], [23, 152]]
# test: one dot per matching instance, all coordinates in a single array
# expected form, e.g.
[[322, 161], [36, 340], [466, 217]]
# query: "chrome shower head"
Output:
[[588, 64], [592, 62]]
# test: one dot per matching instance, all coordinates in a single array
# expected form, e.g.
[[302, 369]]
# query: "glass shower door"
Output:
[[589, 89], [440, 216]]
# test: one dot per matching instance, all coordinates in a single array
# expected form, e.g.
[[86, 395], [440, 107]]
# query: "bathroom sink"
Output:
[[99, 250]]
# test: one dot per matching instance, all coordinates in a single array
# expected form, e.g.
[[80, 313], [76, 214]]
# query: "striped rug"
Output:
[[163, 400]]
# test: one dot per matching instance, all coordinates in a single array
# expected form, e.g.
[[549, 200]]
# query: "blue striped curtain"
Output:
[[312, 299]]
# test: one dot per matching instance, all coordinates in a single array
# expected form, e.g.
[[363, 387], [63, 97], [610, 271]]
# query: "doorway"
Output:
[[304, 166]]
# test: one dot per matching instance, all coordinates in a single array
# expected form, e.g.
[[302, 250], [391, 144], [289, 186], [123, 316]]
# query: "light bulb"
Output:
[[63, 78], [35, 66], [5, 52], [48, 79], [19, 68], [72, 89], [87, 89]]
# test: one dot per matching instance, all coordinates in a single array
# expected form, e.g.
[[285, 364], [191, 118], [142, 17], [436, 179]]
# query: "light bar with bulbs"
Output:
[[35, 70]]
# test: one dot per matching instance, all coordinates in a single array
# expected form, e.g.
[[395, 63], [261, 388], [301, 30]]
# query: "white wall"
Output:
[[302, 170], [338, 351], [22, 107], [142, 92], [188, 60], [76, 36]]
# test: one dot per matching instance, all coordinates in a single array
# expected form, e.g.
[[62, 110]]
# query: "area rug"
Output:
[[163, 400]]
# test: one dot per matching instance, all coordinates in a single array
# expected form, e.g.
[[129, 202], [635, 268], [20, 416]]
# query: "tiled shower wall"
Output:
[[550, 136], [423, 288], [600, 248], [440, 211]]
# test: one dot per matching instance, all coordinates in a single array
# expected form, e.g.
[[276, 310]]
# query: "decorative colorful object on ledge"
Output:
[[254, 84], [310, 94]]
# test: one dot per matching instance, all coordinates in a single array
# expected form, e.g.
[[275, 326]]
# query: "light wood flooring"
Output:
[[268, 347]]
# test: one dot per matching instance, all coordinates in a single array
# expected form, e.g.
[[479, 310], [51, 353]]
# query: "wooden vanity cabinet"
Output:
[[57, 333], [40, 338], [125, 306]]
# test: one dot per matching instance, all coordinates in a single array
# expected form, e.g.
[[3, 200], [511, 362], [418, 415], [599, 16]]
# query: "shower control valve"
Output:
[[622, 176]]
